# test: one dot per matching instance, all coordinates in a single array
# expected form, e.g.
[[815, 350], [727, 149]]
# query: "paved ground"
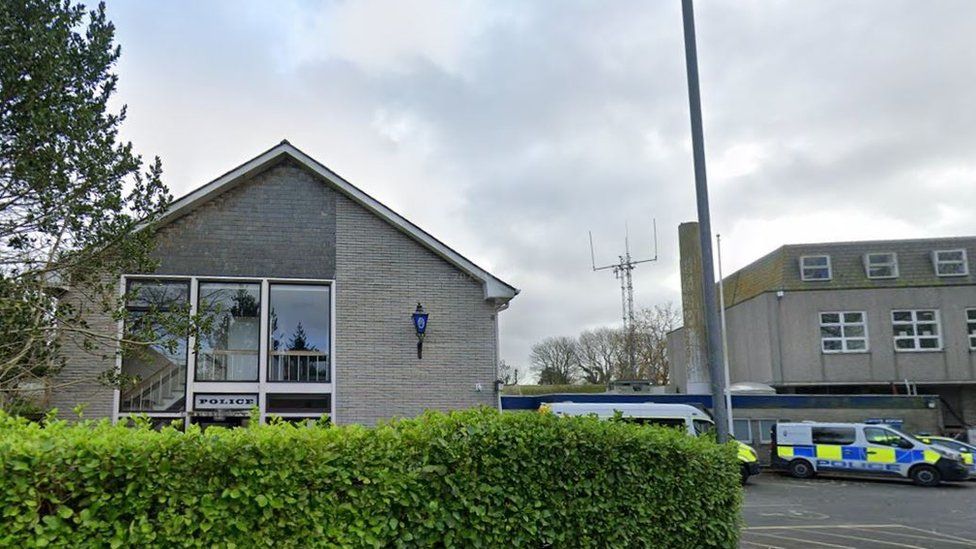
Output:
[[787, 513]]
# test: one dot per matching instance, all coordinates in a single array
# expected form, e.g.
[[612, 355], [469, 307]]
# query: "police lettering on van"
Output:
[[804, 449]]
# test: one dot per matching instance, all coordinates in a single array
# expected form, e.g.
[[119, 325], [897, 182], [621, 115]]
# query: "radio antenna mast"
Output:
[[623, 271]]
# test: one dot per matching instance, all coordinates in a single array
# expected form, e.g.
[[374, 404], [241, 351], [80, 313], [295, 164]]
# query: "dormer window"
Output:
[[815, 267], [950, 262], [881, 265]]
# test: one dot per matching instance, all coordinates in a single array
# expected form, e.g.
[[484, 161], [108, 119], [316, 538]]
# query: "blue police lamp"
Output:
[[420, 324]]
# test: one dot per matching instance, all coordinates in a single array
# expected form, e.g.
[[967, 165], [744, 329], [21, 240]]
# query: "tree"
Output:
[[299, 340], [600, 352], [555, 360], [507, 373], [651, 329], [72, 196]]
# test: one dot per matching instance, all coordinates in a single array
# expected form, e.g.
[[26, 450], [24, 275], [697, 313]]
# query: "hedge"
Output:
[[476, 478]]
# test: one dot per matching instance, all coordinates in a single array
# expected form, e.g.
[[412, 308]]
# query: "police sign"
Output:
[[224, 401]]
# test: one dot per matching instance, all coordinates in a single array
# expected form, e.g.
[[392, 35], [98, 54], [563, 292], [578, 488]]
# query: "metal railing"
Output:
[[157, 392], [226, 365], [303, 366]]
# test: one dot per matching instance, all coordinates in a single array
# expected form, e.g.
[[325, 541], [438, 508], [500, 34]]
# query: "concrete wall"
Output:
[[381, 276]]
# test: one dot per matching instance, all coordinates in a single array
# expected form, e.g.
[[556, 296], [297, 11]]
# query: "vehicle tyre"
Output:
[[800, 468], [926, 475], [744, 472]]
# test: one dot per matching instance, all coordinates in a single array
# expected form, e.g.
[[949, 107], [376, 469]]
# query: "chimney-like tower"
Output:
[[692, 305]]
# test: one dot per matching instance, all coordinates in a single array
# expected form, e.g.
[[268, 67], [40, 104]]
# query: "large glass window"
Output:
[[884, 437], [154, 375], [229, 350], [742, 430], [843, 332], [299, 333], [917, 330]]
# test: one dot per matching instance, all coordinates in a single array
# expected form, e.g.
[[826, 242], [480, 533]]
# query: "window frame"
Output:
[[891, 263], [125, 284], [804, 268], [971, 327], [262, 387], [842, 323], [936, 262], [766, 435], [201, 281], [914, 322], [748, 423]]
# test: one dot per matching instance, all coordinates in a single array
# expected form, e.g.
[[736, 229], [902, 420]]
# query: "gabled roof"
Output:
[[495, 288]]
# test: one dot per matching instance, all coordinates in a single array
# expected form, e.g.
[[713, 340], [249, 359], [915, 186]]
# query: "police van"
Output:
[[967, 451], [805, 449], [692, 420]]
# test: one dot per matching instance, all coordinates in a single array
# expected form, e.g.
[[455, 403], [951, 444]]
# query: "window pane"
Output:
[[833, 435], [299, 333], [883, 437], [741, 430], [815, 261], [904, 329], [816, 273], [299, 403], [766, 429], [829, 318], [856, 330], [880, 272], [154, 377], [925, 316], [856, 344], [901, 316], [853, 317], [833, 345], [157, 294], [927, 329], [830, 331], [229, 352], [928, 342], [971, 314], [952, 255], [904, 343]]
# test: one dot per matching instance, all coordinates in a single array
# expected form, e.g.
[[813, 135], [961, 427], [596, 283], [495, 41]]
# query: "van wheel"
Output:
[[926, 475], [744, 472], [801, 469]]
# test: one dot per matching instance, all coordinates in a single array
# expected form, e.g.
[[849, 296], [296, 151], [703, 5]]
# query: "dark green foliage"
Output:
[[467, 479]]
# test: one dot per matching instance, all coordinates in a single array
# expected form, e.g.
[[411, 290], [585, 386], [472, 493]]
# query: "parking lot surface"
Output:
[[788, 513]]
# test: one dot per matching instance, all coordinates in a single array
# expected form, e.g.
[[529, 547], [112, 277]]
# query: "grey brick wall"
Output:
[[280, 223], [286, 222], [381, 275], [78, 383]]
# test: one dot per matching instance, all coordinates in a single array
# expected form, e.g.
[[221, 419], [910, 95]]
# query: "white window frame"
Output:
[[891, 262], [842, 323], [937, 262], [262, 387], [914, 322], [765, 435], [971, 327], [804, 268], [748, 426]]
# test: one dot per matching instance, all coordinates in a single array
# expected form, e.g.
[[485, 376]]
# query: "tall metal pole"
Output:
[[725, 330], [712, 326]]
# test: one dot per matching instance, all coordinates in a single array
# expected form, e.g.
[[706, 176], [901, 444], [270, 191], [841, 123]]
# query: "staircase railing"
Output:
[[155, 390]]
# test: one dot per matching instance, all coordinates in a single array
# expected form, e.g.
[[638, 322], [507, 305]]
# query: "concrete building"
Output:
[[315, 282], [875, 317]]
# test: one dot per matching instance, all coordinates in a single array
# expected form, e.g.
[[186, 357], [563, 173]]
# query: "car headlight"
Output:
[[946, 453]]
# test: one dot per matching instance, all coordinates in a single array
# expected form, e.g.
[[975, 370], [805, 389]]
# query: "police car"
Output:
[[805, 449], [967, 451], [692, 420]]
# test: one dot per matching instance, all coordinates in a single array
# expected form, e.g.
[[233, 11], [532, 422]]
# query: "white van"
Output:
[[694, 422], [804, 449]]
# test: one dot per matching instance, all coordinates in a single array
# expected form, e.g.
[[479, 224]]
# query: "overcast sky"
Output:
[[510, 129]]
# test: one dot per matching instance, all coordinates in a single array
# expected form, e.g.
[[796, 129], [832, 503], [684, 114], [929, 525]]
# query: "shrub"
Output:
[[466, 479]]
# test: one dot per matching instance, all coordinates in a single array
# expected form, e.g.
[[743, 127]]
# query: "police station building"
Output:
[[322, 292]]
